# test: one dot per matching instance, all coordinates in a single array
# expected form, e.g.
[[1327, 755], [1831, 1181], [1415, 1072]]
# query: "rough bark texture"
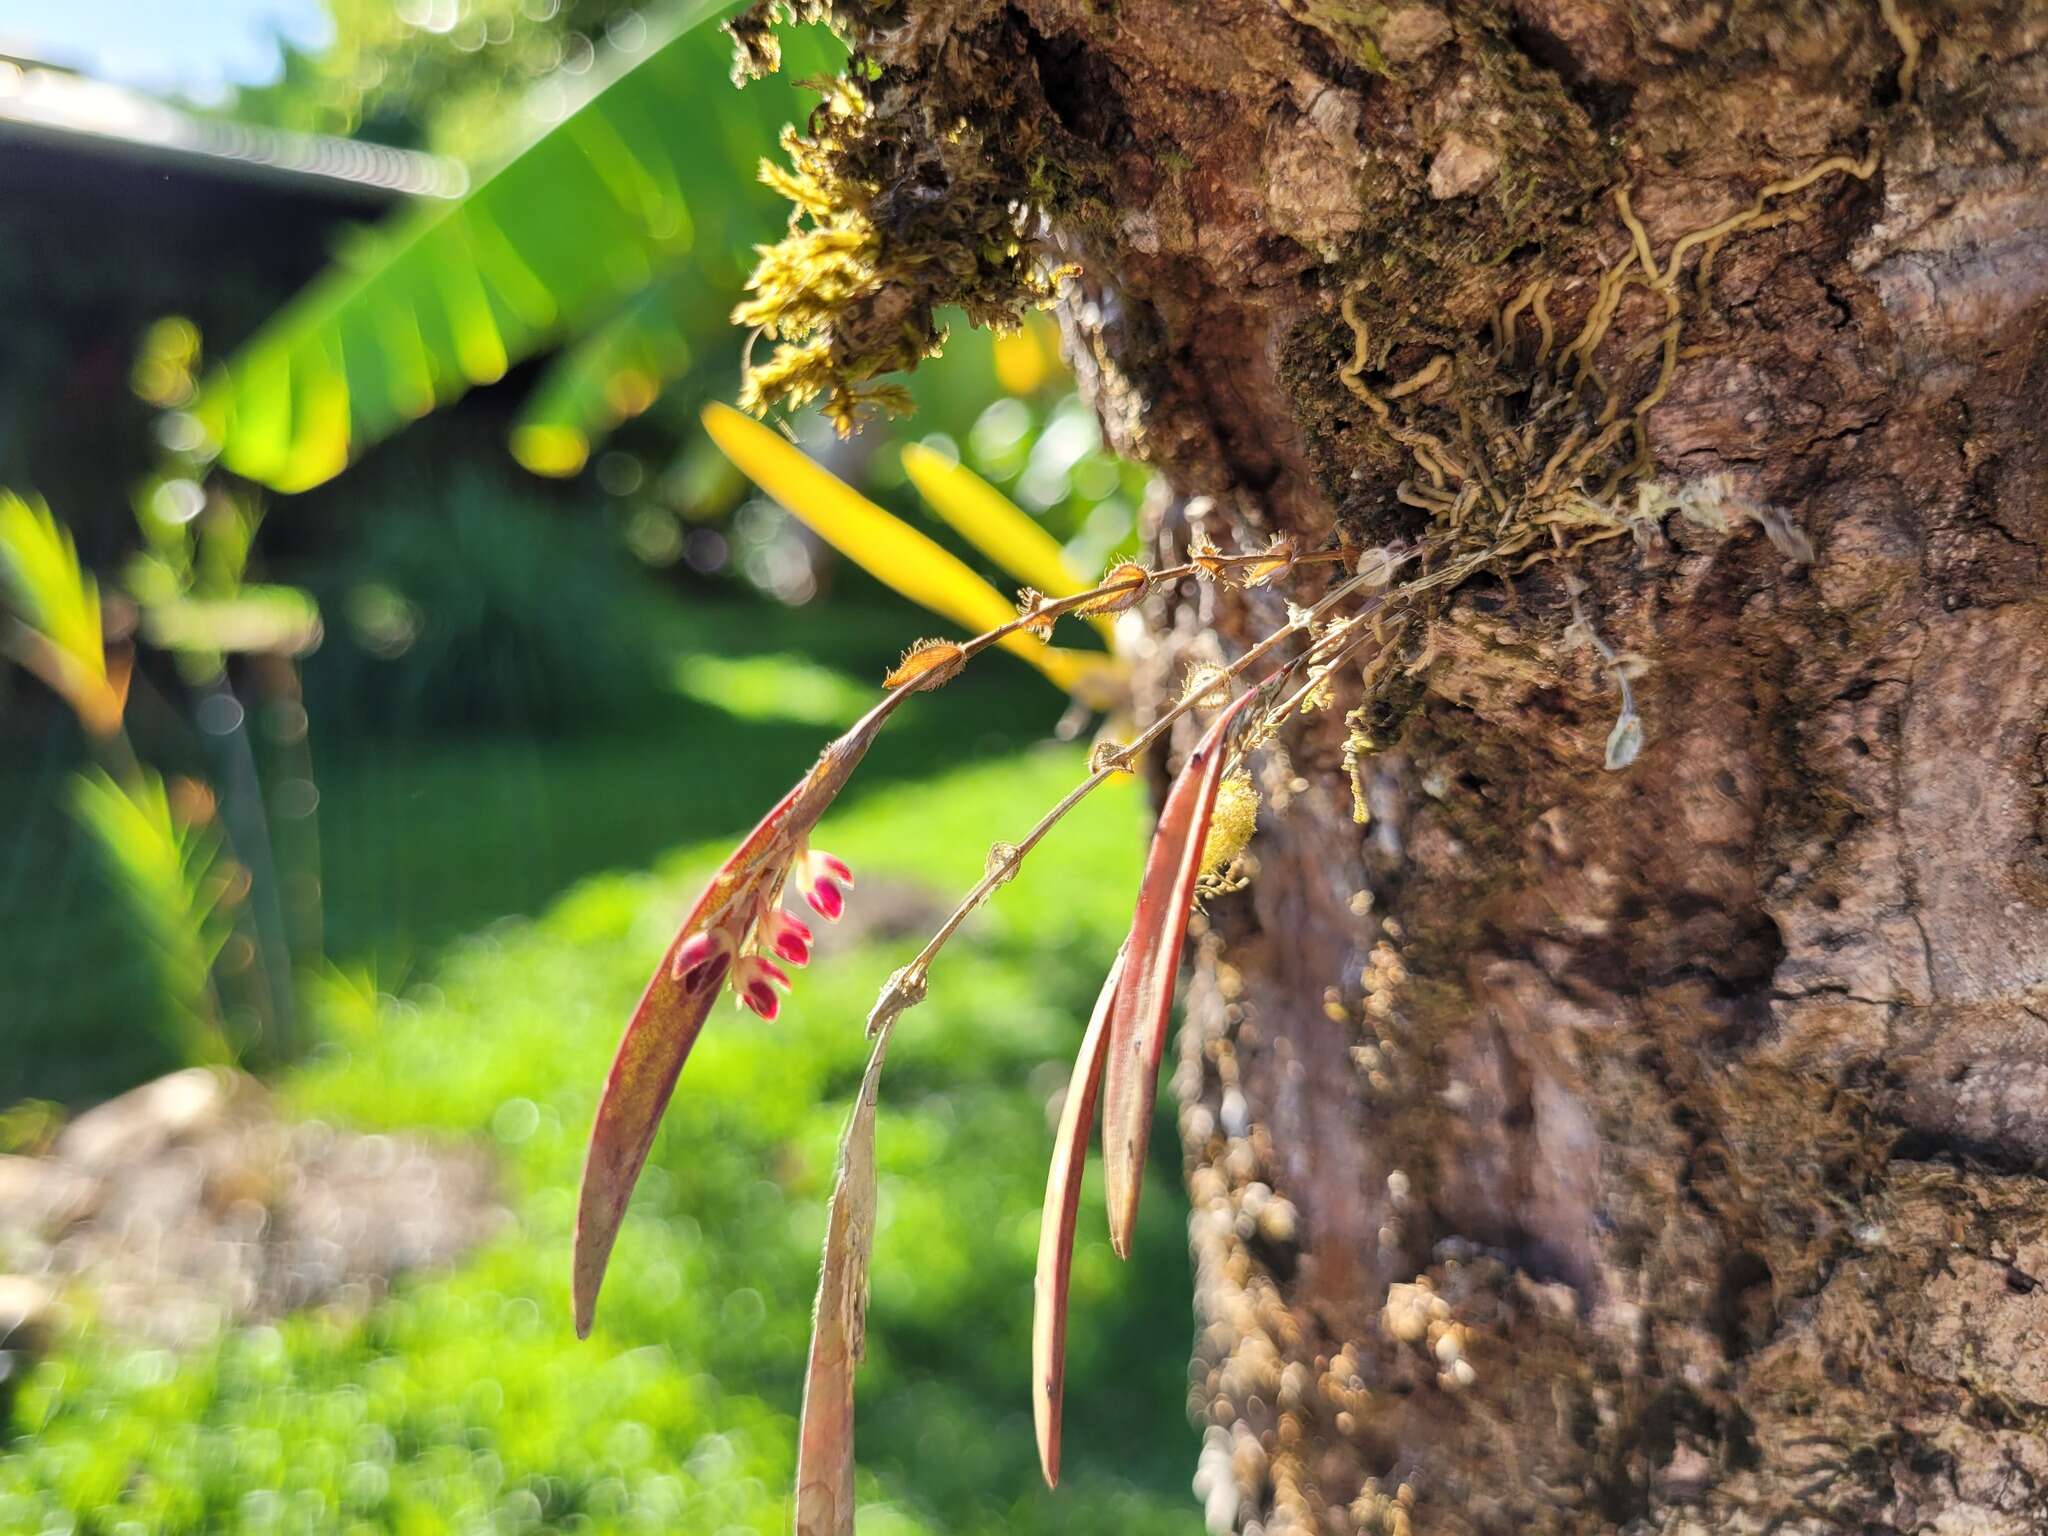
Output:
[[1575, 1150]]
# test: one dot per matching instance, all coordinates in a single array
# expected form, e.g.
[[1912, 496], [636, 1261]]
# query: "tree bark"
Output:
[[1577, 1150]]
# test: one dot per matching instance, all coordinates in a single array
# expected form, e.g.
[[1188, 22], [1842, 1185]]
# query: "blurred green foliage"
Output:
[[463, 604], [465, 1404], [180, 861], [171, 882], [429, 838], [649, 155], [433, 74], [190, 578], [427, 835], [504, 708]]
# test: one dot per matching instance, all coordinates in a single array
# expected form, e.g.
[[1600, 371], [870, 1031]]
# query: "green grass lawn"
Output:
[[464, 1402]]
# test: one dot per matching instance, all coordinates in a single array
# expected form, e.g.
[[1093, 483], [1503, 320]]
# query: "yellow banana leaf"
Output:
[[988, 520], [893, 552]]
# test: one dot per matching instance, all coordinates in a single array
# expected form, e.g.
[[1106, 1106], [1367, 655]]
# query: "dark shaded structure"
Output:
[[116, 210]]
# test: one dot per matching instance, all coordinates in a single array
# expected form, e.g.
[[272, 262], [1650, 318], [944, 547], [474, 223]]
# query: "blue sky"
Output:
[[197, 47]]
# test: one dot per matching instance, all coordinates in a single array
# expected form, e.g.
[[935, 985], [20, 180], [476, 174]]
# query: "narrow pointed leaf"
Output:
[[1144, 998], [1056, 1232], [883, 545], [995, 525], [669, 1017], [824, 1455]]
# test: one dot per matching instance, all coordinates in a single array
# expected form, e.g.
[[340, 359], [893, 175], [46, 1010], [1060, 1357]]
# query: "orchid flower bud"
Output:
[[755, 982], [788, 937], [700, 961], [821, 877]]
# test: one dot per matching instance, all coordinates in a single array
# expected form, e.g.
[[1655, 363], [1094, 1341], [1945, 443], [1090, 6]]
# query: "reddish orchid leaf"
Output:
[[1056, 1232], [657, 1041], [679, 997], [1144, 997], [824, 1455]]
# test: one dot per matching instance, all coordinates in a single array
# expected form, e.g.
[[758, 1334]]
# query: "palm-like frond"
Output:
[[57, 632], [171, 880], [49, 589]]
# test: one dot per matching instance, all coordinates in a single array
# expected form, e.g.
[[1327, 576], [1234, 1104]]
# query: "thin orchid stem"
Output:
[[906, 987], [1044, 614], [1054, 608]]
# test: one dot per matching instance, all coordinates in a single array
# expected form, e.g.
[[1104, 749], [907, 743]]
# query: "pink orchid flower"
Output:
[[737, 934]]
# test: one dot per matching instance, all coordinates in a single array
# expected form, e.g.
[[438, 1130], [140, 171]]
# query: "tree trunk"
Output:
[[1574, 1150]]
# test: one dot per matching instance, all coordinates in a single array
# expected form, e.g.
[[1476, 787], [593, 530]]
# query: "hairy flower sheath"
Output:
[[738, 935]]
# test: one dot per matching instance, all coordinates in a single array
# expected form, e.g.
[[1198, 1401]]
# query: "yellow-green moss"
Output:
[[910, 193]]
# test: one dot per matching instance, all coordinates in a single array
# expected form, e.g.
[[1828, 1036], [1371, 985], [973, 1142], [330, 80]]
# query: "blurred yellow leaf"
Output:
[[988, 520], [546, 449], [1022, 361], [891, 550]]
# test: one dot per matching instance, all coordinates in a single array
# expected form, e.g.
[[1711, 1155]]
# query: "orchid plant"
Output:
[[740, 935]]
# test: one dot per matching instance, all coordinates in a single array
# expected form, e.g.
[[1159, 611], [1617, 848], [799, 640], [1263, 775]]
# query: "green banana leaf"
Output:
[[617, 371], [636, 211]]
